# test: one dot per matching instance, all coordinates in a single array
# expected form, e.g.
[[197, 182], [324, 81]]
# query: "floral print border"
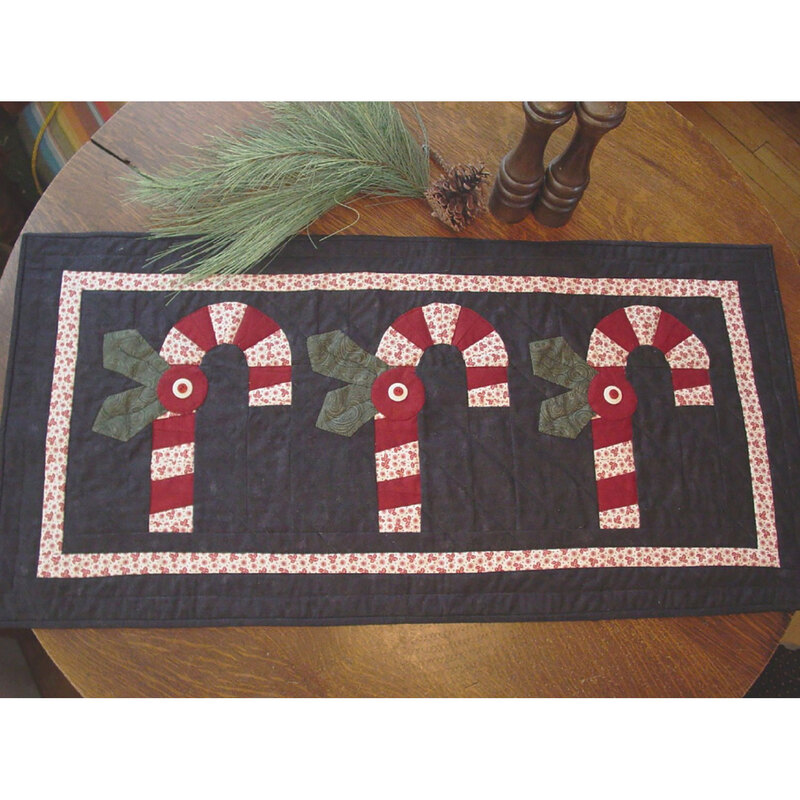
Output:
[[53, 563]]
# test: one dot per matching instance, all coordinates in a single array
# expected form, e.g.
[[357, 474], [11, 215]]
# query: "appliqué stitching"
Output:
[[55, 563], [609, 401], [397, 394], [178, 387]]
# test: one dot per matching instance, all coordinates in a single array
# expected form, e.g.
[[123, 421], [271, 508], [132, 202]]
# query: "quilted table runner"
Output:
[[394, 430]]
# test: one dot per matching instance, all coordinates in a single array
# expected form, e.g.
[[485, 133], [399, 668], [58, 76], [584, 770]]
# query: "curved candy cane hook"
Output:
[[386, 388]]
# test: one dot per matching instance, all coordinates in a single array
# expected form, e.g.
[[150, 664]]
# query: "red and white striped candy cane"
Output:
[[614, 400], [398, 395], [183, 388]]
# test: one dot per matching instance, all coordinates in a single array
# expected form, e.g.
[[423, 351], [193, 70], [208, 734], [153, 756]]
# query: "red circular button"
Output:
[[182, 388], [398, 393], [611, 396]]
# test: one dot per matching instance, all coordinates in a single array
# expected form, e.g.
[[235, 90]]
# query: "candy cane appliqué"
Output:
[[386, 388], [183, 387], [600, 392], [398, 396], [172, 387]]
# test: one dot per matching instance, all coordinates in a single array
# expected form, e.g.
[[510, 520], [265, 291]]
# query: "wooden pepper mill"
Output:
[[521, 171], [568, 175]]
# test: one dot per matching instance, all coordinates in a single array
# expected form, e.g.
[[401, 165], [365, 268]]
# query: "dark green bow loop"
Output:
[[129, 353], [565, 414], [123, 415], [346, 409], [336, 355]]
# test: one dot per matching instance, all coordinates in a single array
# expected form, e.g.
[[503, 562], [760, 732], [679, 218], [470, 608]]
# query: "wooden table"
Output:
[[656, 179]]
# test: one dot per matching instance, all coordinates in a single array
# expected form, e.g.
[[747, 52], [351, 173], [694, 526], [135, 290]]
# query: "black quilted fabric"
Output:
[[271, 481]]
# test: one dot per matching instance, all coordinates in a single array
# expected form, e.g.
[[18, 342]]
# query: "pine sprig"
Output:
[[242, 196]]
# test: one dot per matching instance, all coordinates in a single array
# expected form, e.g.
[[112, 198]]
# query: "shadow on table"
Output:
[[26, 670]]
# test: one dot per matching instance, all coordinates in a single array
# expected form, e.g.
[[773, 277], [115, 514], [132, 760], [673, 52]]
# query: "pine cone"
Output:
[[459, 196]]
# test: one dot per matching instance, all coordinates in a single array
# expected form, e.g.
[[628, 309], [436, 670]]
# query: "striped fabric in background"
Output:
[[70, 128]]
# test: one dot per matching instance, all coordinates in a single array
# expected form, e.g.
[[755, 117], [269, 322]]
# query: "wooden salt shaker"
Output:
[[521, 171], [568, 175]]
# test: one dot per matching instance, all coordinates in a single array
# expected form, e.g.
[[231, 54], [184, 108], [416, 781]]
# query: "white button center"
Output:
[[612, 395], [182, 388], [398, 392]]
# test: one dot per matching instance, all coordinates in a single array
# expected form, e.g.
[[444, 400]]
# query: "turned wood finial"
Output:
[[567, 176], [521, 171]]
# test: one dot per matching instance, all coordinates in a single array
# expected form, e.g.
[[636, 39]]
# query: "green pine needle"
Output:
[[243, 196]]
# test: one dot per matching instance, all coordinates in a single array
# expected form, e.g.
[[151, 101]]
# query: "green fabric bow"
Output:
[[123, 415], [565, 414], [336, 355]]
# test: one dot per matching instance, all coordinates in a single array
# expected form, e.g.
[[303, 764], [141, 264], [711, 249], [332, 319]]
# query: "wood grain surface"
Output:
[[655, 179]]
